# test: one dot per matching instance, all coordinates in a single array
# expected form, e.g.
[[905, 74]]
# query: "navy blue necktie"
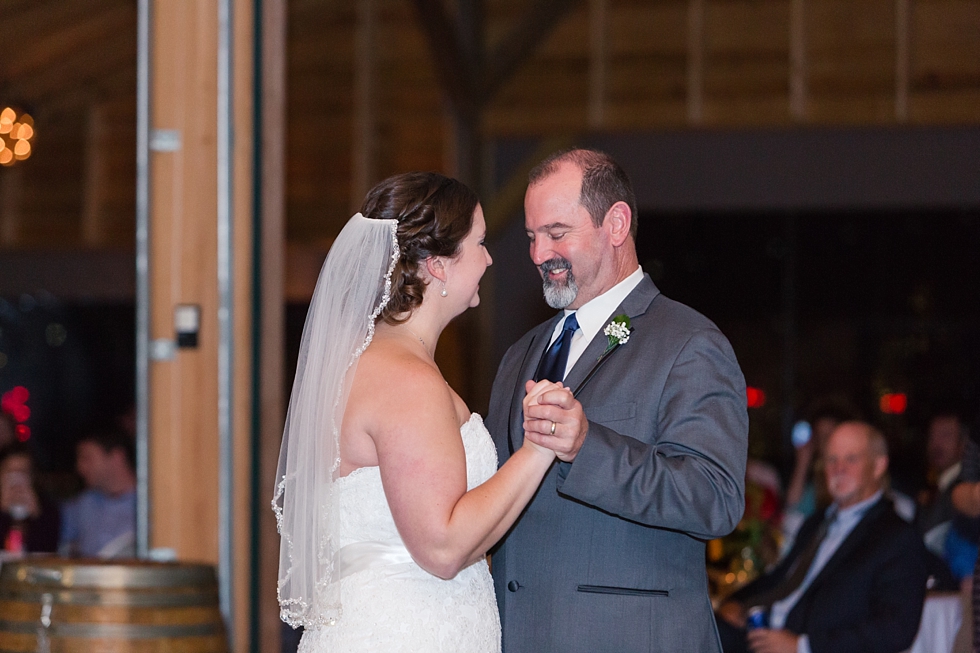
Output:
[[552, 366]]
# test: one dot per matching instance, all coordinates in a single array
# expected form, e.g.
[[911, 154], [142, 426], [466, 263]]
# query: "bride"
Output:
[[388, 495]]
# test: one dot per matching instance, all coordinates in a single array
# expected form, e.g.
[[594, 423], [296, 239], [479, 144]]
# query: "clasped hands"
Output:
[[554, 419]]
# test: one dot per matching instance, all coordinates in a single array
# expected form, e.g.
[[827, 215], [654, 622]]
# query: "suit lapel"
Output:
[[851, 542], [532, 357], [635, 304]]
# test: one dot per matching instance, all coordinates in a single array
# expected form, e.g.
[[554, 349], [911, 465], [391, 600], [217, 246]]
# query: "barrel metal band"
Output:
[[96, 598], [115, 631]]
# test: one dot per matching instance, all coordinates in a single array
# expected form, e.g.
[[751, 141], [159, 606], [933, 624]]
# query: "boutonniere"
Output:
[[617, 334]]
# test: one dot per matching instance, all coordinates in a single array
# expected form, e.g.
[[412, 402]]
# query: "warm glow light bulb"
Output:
[[15, 134]]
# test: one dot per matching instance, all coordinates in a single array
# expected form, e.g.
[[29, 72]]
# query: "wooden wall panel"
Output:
[[184, 407], [946, 62], [183, 238]]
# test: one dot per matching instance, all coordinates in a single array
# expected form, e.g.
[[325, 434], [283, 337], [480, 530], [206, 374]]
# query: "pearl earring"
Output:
[[444, 292]]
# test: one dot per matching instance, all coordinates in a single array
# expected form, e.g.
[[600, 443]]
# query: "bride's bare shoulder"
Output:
[[393, 371]]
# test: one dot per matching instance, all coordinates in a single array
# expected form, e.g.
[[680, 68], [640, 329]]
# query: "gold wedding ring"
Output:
[[553, 425]]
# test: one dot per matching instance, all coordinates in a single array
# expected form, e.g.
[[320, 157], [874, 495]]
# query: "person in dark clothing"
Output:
[[855, 579]]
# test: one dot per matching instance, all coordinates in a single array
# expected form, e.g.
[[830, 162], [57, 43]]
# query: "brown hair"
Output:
[[434, 214], [110, 438], [604, 182]]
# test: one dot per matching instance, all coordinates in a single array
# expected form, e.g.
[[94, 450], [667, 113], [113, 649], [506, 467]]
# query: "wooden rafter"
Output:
[[471, 83], [518, 46], [50, 48], [457, 72], [84, 70], [20, 30]]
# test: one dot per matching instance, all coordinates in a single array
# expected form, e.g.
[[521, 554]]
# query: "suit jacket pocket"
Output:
[[611, 413], [621, 591]]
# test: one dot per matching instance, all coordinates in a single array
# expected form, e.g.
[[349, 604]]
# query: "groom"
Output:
[[609, 555]]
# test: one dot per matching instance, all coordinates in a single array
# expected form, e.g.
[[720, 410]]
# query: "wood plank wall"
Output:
[[667, 64]]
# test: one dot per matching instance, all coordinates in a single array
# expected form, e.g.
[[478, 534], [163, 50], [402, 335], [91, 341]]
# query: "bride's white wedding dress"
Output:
[[390, 603]]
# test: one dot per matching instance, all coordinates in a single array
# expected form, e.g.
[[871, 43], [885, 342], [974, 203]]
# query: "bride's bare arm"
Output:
[[415, 429]]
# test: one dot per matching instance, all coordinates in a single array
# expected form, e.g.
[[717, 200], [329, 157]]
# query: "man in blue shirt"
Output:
[[101, 521], [855, 579]]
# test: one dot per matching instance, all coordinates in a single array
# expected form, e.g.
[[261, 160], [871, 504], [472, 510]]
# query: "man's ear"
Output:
[[880, 466], [617, 222], [436, 268]]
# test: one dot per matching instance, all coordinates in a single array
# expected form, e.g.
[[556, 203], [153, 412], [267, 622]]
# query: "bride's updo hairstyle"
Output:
[[434, 214]]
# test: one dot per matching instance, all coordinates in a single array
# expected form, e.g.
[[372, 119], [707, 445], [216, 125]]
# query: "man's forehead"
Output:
[[848, 441], [557, 224]]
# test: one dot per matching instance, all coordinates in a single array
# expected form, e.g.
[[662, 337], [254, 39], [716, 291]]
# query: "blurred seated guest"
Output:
[[855, 580], [101, 521], [806, 492], [28, 521], [949, 535]]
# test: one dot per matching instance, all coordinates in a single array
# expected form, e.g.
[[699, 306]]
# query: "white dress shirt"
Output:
[[594, 315]]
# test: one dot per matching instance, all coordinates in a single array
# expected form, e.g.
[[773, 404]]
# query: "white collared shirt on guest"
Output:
[[594, 315]]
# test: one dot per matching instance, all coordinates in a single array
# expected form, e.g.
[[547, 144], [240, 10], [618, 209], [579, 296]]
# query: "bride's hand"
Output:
[[531, 399], [537, 448], [535, 391]]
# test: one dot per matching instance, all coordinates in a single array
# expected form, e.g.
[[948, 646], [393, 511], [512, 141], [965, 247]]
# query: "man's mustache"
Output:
[[556, 263]]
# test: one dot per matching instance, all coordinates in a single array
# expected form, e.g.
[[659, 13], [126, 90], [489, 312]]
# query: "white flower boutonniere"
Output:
[[617, 334], [618, 331]]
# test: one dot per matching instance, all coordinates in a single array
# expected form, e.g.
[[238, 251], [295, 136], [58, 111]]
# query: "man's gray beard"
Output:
[[559, 295]]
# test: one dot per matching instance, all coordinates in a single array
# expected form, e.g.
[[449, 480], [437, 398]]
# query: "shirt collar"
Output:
[[593, 314], [858, 509], [946, 478]]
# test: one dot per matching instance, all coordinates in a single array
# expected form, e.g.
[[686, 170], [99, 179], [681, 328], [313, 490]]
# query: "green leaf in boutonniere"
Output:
[[618, 334]]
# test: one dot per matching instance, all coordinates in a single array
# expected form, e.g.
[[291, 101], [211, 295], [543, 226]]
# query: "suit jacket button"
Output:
[[513, 586]]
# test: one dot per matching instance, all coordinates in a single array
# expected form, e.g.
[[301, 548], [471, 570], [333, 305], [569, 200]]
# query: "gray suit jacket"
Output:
[[609, 555]]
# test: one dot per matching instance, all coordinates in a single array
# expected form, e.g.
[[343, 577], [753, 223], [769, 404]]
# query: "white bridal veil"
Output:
[[353, 287]]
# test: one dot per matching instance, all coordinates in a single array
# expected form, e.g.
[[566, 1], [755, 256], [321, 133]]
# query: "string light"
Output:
[[16, 134]]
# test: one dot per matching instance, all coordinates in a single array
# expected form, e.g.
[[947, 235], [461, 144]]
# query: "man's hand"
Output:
[[733, 612], [765, 640], [556, 421]]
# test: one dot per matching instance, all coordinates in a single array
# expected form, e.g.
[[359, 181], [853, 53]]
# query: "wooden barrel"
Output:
[[56, 605]]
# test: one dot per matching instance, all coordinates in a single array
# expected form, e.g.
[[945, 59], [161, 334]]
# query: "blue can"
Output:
[[757, 617]]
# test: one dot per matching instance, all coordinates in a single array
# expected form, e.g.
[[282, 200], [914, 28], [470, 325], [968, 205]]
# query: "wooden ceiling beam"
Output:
[[52, 48], [518, 46], [470, 75], [81, 71], [458, 72], [44, 18]]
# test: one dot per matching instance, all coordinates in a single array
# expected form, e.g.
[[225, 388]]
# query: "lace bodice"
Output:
[[401, 607]]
